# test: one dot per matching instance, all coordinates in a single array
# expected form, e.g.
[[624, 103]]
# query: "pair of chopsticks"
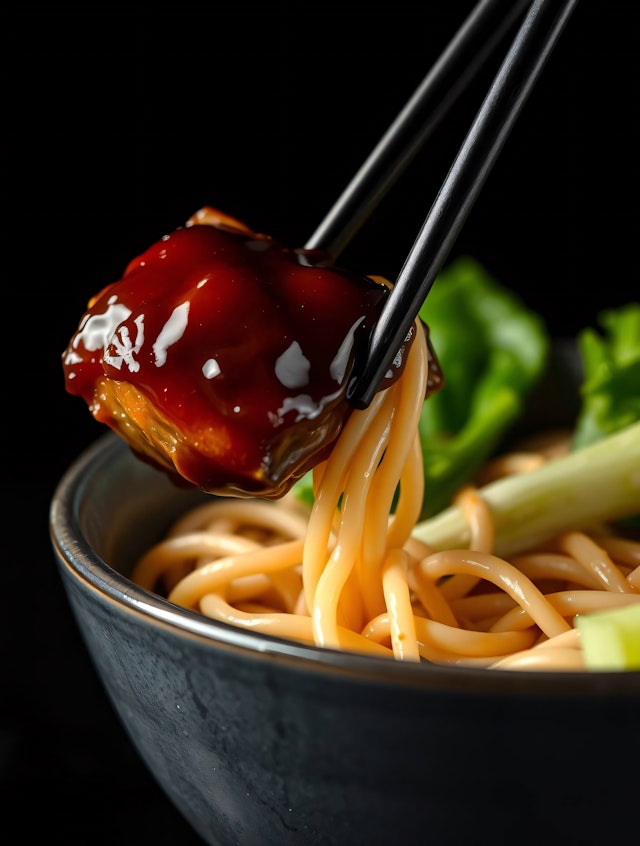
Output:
[[487, 24]]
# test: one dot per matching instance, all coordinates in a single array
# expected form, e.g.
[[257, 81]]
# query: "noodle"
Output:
[[347, 574]]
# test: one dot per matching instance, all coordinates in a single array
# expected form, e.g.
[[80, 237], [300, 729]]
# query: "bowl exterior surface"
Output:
[[270, 746]]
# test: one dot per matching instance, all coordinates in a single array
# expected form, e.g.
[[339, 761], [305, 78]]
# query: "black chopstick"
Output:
[[469, 48], [527, 55]]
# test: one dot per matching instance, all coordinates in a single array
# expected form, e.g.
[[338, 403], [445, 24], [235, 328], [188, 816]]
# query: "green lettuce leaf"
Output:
[[492, 350], [610, 392]]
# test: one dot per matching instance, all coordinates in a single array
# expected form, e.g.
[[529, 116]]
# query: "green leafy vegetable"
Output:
[[610, 391], [493, 351]]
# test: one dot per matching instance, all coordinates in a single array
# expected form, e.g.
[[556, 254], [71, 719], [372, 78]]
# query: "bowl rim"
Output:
[[91, 574]]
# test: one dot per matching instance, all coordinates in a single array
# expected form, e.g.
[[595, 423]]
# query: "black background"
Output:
[[118, 125]]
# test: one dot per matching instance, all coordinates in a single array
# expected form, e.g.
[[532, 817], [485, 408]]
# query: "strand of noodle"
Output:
[[287, 584], [561, 652], [247, 587], [377, 499], [478, 517], [354, 503], [409, 394], [244, 512], [472, 644], [568, 603], [431, 598], [251, 608], [570, 639], [557, 659], [280, 590], [417, 549], [351, 529], [290, 626], [398, 601], [379, 630], [196, 519], [482, 606], [217, 574], [438, 642], [327, 495], [549, 565], [481, 538], [163, 555], [257, 521], [503, 575], [317, 475], [349, 611], [634, 579], [350, 608], [594, 559], [301, 604], [623, 550], [410, 499], [226, 526]]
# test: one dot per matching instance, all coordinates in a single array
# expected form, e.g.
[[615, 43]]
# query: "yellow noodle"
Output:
[[595, 559], [432, 598], [402, 627], [478, 517], [247, 587], [451, 643], [214, 576], [194, 545], [292, 626], [325, 505], [481, 535], [368, 489], [478, 644], [338, 568], [287, 584], [410, 499], [549, 565], [480, 606], [285, 521], [502, 574], [622, 550], [347, 573], [381, 533], [551, 659], [568, 604], [561, 652]]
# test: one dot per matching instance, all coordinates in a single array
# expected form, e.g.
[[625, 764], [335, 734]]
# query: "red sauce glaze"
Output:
[[224, 358]]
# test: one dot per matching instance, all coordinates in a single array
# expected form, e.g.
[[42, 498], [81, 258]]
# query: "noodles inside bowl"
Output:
[[261, 738], [355, 571]]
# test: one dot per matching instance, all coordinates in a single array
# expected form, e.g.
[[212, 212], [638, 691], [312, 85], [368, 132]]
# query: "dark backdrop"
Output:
[[120, 124]]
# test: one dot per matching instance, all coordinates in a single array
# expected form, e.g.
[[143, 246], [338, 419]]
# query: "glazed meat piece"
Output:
[[224, 358]]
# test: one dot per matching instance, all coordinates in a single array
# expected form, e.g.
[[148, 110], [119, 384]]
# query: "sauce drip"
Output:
[[224, 358]]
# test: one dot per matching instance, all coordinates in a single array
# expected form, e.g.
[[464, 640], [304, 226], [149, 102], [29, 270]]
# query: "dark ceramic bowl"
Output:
[[260, 741]]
